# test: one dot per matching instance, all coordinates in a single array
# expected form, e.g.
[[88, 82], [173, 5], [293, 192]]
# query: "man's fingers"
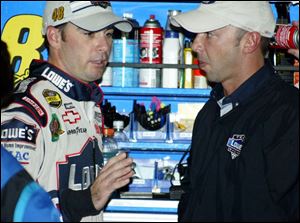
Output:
[[119, 157], [116, 170]]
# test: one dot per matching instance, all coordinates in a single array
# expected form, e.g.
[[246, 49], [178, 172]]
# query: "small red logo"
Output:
[[71, 117]]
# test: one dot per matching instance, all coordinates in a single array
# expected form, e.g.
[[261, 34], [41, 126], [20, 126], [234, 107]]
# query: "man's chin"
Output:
[[95, 76]]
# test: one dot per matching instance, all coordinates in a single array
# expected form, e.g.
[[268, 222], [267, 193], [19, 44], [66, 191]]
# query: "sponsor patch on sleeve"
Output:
[[18, 131]]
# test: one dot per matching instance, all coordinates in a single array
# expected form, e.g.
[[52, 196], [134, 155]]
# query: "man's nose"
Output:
[[102, 43], [198, 43]]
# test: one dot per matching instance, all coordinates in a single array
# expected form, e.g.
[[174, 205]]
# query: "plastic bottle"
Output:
[[107, 75], [110, 146], [171, 48], [125, 50], [200, 80], [119, 135], [188, 59], [181, 37]]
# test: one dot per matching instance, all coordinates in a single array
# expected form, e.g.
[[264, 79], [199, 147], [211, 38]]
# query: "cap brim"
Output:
[[197, 22], [98, 22]]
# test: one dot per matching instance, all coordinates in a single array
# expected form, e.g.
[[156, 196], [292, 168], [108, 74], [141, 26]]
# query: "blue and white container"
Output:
[[171, 50], [107, 75], [125, 50]]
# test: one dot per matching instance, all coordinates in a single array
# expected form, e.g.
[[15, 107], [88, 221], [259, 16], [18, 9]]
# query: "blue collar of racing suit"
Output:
[[71, 86]]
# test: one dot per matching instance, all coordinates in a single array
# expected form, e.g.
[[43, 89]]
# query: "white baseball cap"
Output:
[[211, 15], [88, 15]]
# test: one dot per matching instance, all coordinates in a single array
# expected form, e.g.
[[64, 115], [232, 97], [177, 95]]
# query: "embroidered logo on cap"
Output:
[[103, 4], [58, 13], [77, 6], [235, 144]]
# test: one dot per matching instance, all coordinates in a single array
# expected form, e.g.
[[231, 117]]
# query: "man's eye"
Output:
[[88, 33], [208, 34], [110, 35]]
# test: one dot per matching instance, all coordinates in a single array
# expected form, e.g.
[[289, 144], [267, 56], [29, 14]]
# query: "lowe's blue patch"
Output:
[[15, 130]]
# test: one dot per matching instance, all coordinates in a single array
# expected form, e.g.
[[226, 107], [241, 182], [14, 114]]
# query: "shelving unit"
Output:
[[183, 66], [146, 152], [123, 97], [131, 209]]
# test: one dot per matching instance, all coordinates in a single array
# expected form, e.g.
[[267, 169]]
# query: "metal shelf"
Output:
[[171, 92], [184, 66], [154, 145]]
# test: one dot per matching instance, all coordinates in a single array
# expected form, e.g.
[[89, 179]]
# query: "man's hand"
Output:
[[114, 175]]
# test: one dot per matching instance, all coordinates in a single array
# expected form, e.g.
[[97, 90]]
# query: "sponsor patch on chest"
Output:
[[53, 98], [235, 144]]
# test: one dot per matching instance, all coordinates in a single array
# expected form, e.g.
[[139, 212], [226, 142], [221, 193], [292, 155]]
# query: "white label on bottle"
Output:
[[171, 50], [149, 78]]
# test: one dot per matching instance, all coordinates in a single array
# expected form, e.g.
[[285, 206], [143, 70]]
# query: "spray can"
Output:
[[151, 35], [125, 50], [286, 37]]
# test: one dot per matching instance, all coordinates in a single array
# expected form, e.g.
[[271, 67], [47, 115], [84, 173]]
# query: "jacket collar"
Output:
[[247, 89], [69, 85]]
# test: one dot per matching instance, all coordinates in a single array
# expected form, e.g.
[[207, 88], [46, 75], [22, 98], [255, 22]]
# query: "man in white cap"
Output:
[[53, 127], [244, 158]]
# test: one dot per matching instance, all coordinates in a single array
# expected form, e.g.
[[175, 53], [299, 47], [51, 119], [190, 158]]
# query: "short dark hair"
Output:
[[265, 43]]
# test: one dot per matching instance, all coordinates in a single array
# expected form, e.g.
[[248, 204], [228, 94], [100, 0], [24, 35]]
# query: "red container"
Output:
[[151, 36], [286, 37]]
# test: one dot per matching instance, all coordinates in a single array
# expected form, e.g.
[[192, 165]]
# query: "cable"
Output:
[[179, 164]]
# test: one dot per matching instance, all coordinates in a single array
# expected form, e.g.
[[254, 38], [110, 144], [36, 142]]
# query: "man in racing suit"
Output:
[[53, 127]]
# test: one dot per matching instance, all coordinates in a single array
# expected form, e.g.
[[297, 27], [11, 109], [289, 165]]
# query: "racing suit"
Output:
[[53, 128]]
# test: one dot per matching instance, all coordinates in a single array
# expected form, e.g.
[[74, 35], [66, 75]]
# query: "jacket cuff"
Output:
[[77, 204]]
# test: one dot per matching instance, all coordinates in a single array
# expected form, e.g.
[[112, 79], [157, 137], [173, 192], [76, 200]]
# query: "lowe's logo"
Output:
[[18, 131], [57, 80]]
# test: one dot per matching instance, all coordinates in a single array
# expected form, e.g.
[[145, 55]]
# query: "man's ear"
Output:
[[53, 37], [251, 41]]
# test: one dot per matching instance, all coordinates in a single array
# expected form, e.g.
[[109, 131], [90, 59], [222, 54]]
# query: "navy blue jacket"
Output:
[[244, 166]]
